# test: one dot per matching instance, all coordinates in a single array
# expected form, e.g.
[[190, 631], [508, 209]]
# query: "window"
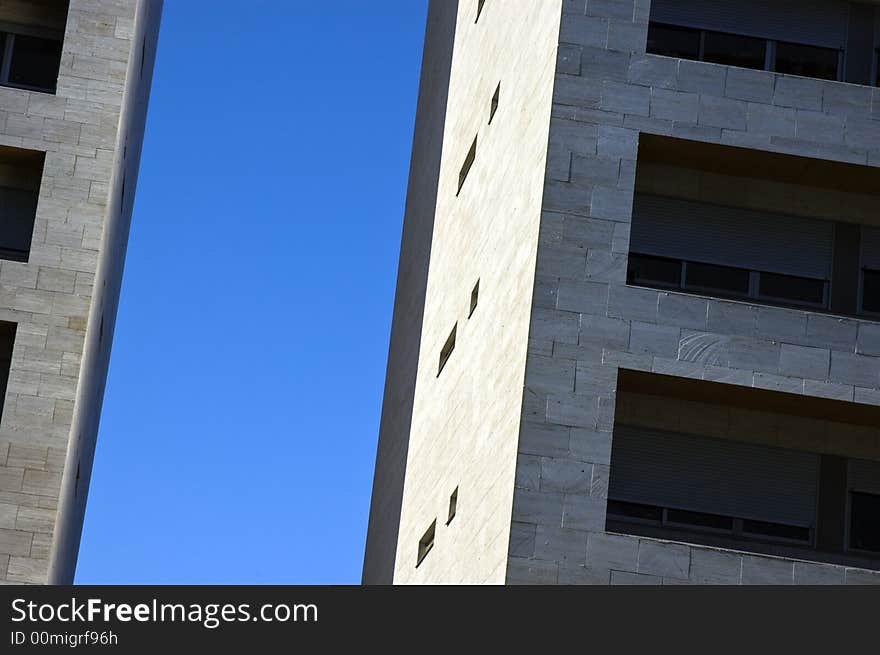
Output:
[[7, 343], [871, 291], [21, 174], [468, 162], [475, 297], [426, 543], [641, 513], [877, 68], [744, 51], [494, 107], [453, 505], [671, 482], [678, 519], [699, 520], [672, 41], [30, 62], [734, 50], [799, 290], [480, 4], [776, 531], [807, 60], [722, 279], [731, 282], [654, 271], [446, 352], [864, 523]]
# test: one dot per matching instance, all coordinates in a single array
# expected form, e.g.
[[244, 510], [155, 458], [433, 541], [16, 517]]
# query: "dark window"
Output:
[[624, 510], [871, 291], [877, 67], [734, 50], [453, 506], [776, 530], [7, 343], [468, 162], [790, 287], [426, 543], [480, 4], [18, 206], [864, 524], [724, 279], [644, 269], [448, 347], [699, 519], [494, 107], [35, 62], [671, 41], [806, 60], [475, 297]]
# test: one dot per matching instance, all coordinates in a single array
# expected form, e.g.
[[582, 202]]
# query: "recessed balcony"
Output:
[[21, 173], [764, 228], [31, 38], [746, 469]]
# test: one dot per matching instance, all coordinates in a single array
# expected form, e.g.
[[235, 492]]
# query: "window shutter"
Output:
[[715, 476], [864, 476], [730, 236], [811, 22], [871, 248]]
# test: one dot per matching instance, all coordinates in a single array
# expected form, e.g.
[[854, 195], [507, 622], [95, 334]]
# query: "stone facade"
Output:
[[63, 299], [586, 323]]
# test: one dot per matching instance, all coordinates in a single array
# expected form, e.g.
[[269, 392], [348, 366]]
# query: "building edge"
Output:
[[409, 302], [105, 300]]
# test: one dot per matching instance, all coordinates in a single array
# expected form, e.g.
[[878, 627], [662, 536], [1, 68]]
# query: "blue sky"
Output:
[[242, 408]]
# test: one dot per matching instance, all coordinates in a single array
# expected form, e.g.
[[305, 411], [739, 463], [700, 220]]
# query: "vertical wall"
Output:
[[465, 421], [409, 301], [586, 323], [144, 35], [54, 297]]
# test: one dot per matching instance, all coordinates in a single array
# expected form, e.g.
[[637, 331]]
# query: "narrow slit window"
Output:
[[480, 4], [453, 505], [446, 352], [426, 543], [495, 98], [475, 298], [468, 162]]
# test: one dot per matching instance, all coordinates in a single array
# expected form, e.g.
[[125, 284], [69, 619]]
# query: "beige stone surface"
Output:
[[53, 297], [465, 421]]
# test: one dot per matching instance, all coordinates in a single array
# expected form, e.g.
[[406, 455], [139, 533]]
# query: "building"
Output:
[[636, 337], [74, 85]]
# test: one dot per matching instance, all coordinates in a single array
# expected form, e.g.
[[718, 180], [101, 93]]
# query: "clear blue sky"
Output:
[[242, 408]]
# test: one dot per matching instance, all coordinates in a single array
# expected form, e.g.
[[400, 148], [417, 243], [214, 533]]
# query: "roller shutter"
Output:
[[864, 476], [730, 236], [811, 22], [714, 476], [871, 248]]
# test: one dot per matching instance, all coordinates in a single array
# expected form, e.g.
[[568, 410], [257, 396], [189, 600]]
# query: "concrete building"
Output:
[[636, 337], [74, 85]]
